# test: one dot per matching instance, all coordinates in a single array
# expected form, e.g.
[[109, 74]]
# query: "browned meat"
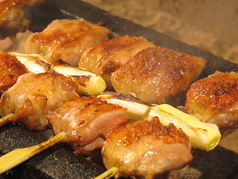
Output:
[[5, 44], [87, 121], [108, 56], [34, 95], [66, 39], [146, 148], [158, 74], [10, 70], [214, 99], [14, 17]]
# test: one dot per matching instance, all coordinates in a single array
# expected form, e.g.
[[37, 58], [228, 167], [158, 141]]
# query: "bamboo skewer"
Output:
[[6, 119], [108, 174], [20, 155]]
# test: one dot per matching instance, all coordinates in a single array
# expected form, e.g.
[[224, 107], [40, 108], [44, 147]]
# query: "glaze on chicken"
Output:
[[110, 55], [214, 99], [66, 39], [158, 75], [86, 122], [145, 149], [10, 70], [14, 17], [33, 96]]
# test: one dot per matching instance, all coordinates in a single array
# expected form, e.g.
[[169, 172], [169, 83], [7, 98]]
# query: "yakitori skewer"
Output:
[[90, 113], [83, 82], [88, 83], [65, 117]]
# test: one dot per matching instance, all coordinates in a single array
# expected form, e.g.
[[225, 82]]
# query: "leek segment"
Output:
[[135, 111], [33, 62], [203, 136], [87, 83]]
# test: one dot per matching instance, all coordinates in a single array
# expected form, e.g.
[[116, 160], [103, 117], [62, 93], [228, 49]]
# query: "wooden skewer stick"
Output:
[[108, 174], [20, 155], [6, 119]]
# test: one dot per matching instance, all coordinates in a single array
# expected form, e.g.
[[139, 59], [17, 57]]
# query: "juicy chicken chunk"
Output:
[[10, 70], [34, 95], [146, 149], [108, 56], [14, 17], [86, 122], [66, 39], [158, 75], [214, 99]]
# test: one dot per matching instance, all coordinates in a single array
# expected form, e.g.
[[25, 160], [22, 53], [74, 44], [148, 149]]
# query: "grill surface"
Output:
[[59, 161]]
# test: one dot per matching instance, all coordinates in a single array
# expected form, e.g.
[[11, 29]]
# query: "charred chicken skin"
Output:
[[33, 96], [86, 122], [66, 39], [214, 99], [10, 70], [110, 55], [158, 74], [145, 149], [14, 17]]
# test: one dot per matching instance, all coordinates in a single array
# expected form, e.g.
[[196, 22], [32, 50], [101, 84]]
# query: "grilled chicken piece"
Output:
[[14, 17], [66, 39], [87, 121], [214, 99], [10, 70], [34, 95], [146, 148], [158, 75], [108, 56]]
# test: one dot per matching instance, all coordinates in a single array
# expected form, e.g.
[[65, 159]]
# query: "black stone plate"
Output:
[[59, 162]]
